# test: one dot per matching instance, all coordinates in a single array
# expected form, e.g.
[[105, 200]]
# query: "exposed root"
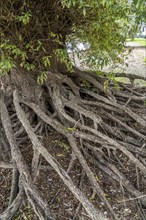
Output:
[[14, 207], [102, 124], [14, 185]]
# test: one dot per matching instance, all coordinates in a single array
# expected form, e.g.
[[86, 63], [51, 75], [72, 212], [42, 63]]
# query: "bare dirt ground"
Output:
[[60, 199]]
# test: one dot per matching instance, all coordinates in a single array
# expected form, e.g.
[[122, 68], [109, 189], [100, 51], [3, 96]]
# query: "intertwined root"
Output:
[[96, 123]]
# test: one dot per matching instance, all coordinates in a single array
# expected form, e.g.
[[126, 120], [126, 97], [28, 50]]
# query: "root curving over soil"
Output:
[[103, 127]]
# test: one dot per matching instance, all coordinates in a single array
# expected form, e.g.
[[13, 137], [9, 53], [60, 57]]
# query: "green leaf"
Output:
[[105, 86], [46, 61], [24, 18], [42, 78], [71, 129], [60, 155], [39, 45], [6, 64], [23, 56], [84, 11], [27, 66], [16, 52]]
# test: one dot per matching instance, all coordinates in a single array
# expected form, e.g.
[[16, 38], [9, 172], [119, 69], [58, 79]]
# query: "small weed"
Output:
[[62, 144], [141, 41]]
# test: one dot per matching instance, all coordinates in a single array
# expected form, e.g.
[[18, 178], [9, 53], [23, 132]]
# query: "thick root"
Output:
[[96, 124]]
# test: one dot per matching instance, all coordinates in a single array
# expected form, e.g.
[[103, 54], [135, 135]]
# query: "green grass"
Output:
[[137, 82], [123, 80], [141, 41]]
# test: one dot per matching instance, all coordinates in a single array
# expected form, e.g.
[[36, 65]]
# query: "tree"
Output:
[[40, 86]]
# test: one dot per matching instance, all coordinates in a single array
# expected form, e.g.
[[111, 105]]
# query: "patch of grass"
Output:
[[140, 82], [122, 79], [141, 41], [137, 82]]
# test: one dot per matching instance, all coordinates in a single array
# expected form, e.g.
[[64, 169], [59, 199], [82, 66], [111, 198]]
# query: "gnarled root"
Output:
[[97, 124]]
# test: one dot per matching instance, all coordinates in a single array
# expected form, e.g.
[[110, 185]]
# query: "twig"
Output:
[[131, 199]]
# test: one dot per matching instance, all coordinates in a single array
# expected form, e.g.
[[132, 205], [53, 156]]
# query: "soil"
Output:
[[60, 200]]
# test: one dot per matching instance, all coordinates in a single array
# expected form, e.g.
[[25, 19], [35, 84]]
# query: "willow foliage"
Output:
[[32, 32]]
